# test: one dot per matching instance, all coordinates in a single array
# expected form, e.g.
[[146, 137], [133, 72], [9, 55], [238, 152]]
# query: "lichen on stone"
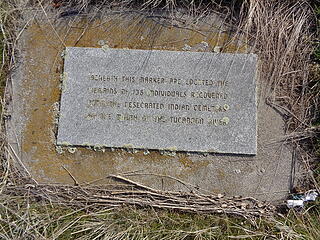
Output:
[[59, 150], [56, 107], [217, 49], [65, 144], [168, 153], [146, 152], [99, 148], [72, 149], [63, 80], [186, 47], [105, 47], [64, 54]]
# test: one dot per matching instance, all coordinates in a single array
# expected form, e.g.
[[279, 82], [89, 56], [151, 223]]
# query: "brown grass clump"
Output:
[[281, 34]]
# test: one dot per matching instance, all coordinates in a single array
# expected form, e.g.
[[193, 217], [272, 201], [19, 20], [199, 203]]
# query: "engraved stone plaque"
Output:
[[167, 100]]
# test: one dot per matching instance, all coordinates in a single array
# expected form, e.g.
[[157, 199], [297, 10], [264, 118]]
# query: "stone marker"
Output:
[[36, 91], [167, 100]]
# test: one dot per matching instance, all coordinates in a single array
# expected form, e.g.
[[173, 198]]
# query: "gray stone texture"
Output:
[[182, 101]]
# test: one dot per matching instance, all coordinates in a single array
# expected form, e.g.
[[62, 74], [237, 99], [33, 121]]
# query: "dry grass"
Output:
[[35, 219], [280, 33]]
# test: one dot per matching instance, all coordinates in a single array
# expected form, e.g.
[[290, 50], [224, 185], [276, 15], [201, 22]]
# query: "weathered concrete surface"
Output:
[[162, 100], [36, 90]]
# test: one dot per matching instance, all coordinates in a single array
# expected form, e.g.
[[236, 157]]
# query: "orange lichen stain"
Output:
[[216, 191], [186, 162], [42, 69], [221, 174]]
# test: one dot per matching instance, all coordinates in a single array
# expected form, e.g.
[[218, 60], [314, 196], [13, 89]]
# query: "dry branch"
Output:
[[133, 193]]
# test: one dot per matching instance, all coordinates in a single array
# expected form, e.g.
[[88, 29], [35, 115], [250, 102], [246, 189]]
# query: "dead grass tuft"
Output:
[[280, 32], [281, 35]]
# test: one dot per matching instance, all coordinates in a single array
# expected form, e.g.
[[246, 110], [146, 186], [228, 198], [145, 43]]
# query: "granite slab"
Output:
[[153, 99]]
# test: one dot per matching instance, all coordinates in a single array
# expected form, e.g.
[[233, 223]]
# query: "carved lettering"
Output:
[[166, 99]]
